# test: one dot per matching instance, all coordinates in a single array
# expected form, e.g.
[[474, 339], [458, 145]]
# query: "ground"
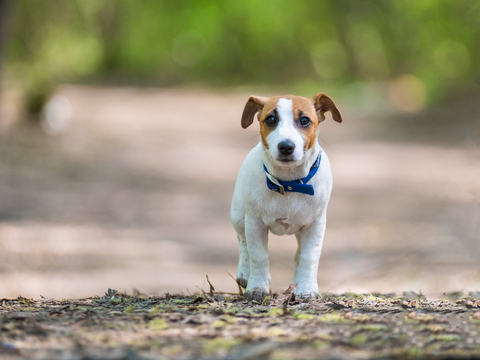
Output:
[[224, 326]]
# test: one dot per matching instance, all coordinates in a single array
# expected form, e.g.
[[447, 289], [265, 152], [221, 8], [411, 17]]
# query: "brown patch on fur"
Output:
[[265, 130], [254, 104], [324, 103], [303, 107]]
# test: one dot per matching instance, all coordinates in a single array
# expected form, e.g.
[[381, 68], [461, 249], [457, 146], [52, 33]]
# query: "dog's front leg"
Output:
[[310, 241], [257, 245]]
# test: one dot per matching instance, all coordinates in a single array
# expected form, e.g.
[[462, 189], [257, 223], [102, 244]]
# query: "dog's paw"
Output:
[[307, 292], [256, 294], [242, 282]]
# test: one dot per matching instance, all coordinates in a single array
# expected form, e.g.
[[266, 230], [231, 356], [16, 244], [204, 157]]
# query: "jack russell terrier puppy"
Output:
[[283, 186]]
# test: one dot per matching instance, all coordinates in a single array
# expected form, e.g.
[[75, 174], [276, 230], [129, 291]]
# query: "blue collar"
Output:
[[299, 186]]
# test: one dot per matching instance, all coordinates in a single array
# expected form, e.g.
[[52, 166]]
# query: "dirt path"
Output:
[[349, 326], [136, 193]]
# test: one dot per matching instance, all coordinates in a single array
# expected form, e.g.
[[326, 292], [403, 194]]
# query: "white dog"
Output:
[[284, 186]]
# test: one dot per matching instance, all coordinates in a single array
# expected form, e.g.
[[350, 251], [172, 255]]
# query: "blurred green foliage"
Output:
[[302, 44]]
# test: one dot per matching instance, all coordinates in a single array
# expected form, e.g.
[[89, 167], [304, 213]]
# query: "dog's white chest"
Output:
[[283, 226]]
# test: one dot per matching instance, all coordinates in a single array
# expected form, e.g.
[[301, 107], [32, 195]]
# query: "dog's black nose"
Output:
[[286, 147]]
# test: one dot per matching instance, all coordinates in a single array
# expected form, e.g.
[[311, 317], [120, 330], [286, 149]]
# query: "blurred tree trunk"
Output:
[[109, 26], [3, 29]]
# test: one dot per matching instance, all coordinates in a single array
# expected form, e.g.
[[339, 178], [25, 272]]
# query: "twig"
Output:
[[212, 289], [240, 291]]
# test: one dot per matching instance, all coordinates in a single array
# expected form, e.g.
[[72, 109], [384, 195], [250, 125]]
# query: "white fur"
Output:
[[256, 210]]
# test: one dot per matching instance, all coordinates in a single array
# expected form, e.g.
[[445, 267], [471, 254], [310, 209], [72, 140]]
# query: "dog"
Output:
[[283, 186]]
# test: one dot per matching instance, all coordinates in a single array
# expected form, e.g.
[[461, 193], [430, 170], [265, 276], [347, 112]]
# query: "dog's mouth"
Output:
[[286, 159]]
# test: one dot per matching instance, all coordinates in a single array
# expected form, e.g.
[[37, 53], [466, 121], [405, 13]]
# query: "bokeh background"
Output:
[[121, 140]]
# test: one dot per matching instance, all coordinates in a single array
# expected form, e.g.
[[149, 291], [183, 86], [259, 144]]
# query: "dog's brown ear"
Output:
[[254, 104], [324, 103]]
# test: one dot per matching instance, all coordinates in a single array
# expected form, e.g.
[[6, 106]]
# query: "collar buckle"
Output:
[[281, 189]]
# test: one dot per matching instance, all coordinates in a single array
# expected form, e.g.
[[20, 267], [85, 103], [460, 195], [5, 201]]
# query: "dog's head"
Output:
[[288, 124]]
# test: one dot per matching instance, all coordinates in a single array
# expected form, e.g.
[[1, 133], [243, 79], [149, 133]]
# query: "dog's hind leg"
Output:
[[297, 253], [243, 270], [257, 244], [237, 215]]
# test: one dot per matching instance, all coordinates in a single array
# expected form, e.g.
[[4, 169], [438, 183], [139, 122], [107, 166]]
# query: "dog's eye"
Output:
[[304, 121], [270, 120]]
